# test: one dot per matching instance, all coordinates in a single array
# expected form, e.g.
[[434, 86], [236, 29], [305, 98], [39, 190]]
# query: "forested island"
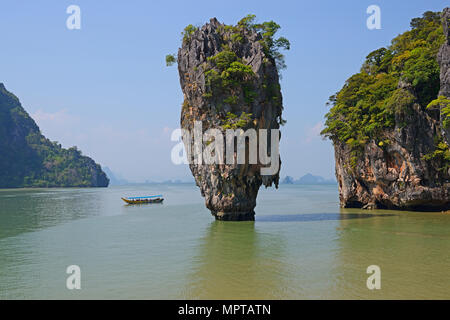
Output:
[[28, 159], [390, 123]]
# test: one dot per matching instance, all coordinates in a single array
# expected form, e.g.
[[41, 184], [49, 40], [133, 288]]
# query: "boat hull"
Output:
[[142, 201]]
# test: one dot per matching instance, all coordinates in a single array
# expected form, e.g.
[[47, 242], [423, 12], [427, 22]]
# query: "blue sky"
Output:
[[106, 89]]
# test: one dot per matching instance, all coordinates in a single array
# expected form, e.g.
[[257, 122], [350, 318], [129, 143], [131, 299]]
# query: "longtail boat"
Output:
[[144, 200]]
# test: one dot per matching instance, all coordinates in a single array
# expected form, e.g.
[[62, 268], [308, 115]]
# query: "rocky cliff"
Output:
[[230, 81], [388, 124], [444, 62], [28, 159]]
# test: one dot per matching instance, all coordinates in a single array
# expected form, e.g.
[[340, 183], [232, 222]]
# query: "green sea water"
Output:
[[301, 246]]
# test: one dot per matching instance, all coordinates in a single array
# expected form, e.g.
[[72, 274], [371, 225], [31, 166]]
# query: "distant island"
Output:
[[114, 179], [308, 179], [28, 159]]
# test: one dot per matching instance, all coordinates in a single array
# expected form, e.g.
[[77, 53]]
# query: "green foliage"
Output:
[[228, 79], [378, 61], [384, 143], [267, 31], [272, 46], [400, 101], [188, 32], [170, 60], [223, 59], [359, 110], [441, 155], [422, 71], [231, 100], [369, 100], [227, 74], [234, 122], [247, 22], [444, 104], [446, 113], [237, 38]]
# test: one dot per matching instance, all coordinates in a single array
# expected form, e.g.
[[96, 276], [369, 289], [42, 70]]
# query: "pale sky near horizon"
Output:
[[106, 89]]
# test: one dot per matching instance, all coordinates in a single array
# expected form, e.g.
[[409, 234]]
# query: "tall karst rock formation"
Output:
[[230, 81]]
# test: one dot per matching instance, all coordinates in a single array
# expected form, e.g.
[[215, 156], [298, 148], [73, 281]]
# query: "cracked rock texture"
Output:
[[396, 176], [230, 190], [444, 62]]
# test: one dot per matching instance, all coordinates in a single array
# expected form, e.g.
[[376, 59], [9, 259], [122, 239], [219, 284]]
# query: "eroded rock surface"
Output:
[[395, 175], [230, 190], [444, 62]]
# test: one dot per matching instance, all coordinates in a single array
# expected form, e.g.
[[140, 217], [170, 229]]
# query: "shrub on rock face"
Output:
[[170, 60]]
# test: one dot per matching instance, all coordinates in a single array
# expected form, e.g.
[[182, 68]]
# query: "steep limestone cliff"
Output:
[[230, 81], [28, 159], [444, 62], [389, 134]]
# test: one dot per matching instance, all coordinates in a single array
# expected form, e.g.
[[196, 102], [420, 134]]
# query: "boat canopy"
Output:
[[136, 198]]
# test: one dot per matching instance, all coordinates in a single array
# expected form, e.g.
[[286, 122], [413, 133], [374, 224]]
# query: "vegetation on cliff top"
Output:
[[28, 159], [267, 31], [372, 99], [227, 76], [235, 34]]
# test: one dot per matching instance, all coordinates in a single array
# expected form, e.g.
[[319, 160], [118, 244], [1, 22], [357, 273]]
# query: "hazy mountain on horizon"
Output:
[[114, 179], [117, 180], [308, 179]]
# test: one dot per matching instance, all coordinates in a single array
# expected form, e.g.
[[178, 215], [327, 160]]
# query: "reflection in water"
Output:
[[316, 217], [25, 210], [235, 261], [412, 249]]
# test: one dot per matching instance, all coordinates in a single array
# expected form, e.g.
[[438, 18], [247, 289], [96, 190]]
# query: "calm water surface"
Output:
[[302, 246]]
